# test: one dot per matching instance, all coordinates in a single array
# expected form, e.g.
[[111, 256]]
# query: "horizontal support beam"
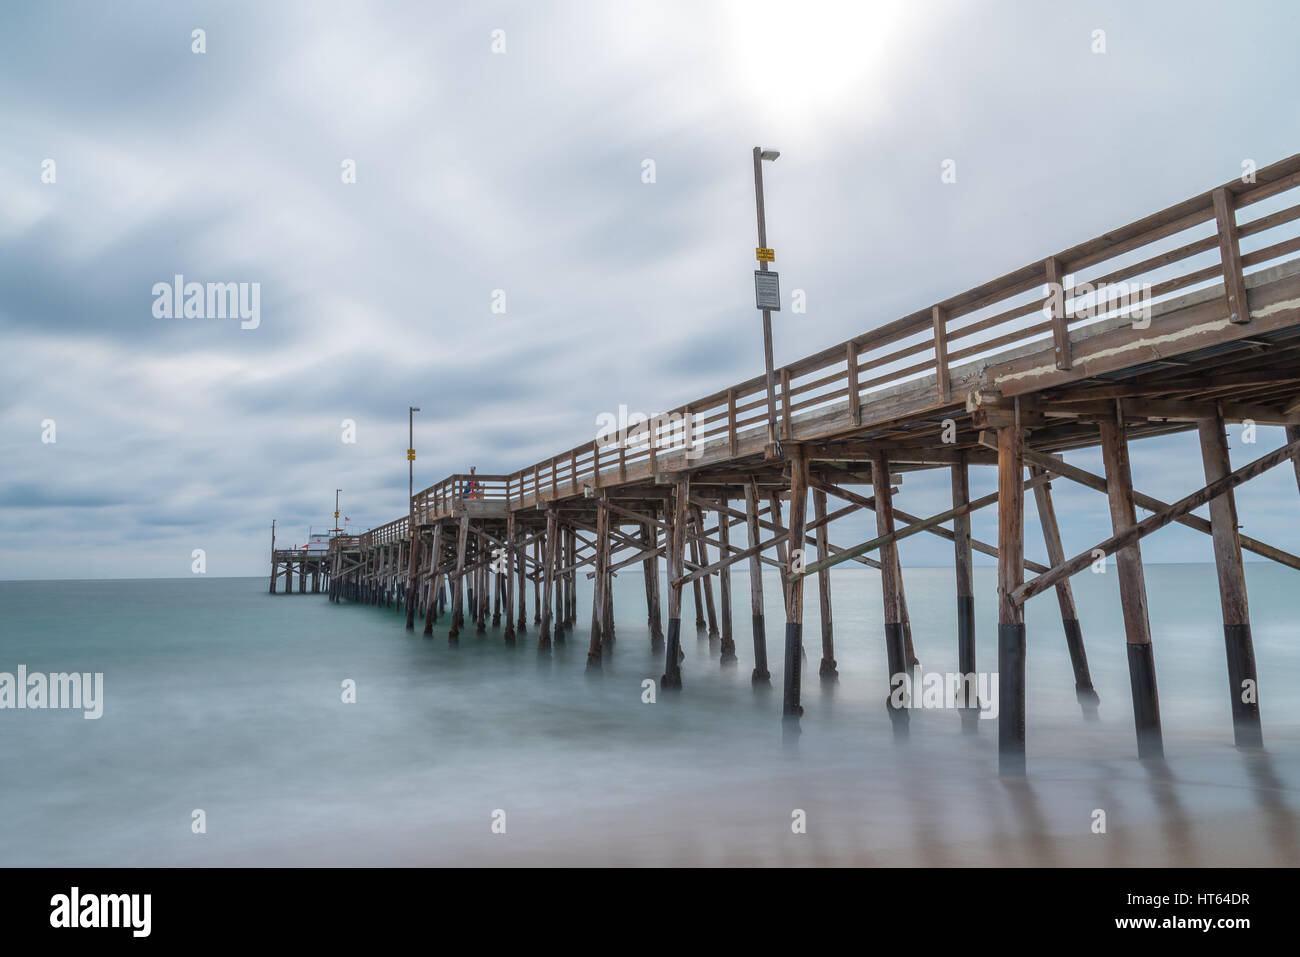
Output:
[[1173, 410]]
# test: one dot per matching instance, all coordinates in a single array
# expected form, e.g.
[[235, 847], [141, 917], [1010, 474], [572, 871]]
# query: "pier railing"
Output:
[[395, 531], [1201, 243], [455, 491], [1193, 244], [293, 554]]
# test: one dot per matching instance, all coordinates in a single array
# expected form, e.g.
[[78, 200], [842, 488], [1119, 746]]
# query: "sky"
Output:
[[500, 154]]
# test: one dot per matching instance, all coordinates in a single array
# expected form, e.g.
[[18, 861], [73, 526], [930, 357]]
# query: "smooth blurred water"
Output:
[[221, 697]]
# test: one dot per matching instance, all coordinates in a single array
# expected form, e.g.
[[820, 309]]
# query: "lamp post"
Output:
[[759, 156], [337, 530], [410, 449]]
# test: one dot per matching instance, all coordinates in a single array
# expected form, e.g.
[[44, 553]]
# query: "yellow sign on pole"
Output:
[[765, 255], [410, 455]]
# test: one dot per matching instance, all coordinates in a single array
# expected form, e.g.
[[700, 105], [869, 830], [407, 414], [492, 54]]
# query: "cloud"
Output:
[[523, 173]]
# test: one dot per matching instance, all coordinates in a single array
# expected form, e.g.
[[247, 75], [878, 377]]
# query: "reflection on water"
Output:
[[221, 697]]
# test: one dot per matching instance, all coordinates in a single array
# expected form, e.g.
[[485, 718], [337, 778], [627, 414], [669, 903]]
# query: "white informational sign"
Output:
[[767, 290]]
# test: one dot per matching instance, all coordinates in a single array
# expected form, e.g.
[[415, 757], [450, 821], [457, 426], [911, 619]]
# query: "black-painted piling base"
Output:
[[790, 707], [895, 653], [1011, 699], [672, 676], [760, 674], [900, 719], [896, 703], [970, 720], [1243, 686], [1084, 692], [966, 634], [1089, 703], [1146, 701]]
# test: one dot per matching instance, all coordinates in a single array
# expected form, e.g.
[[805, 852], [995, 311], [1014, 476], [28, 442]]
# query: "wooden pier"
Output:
[[1007, 375], [309, 566]]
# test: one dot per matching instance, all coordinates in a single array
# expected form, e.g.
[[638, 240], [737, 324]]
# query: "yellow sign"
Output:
[[410, 455], [765, 255]]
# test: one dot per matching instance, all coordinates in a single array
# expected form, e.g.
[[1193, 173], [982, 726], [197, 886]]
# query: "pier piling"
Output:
[[826, 670], [1243, 683], [1083, 689], [728, 647], [895, 644], [760, 675], [672, 676], [1011, 616], [1132, 591], [791, 707], [964, 568]]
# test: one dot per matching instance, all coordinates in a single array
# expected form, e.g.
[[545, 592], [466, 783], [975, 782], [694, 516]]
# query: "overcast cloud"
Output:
[[522, 172]]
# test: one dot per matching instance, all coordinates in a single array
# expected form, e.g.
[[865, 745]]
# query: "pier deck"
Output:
[[1188, 319], [308, 563]]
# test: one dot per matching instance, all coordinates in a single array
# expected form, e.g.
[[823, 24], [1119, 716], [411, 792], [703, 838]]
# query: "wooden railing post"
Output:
[[731, 422], [652, 436], [1234, 283], [940, 320], [855, 401], [1060, 324], [787, 426]]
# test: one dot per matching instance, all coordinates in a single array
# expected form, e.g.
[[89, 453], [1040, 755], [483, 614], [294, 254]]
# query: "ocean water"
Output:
[[220, 697]]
